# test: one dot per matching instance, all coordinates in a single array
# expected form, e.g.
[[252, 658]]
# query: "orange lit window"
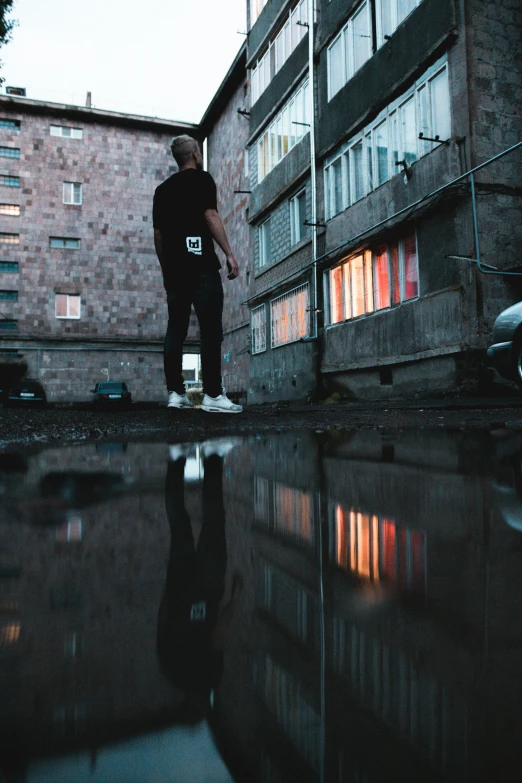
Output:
[[336, 295], [293, 511], [395, 286], [381, 278], [9, 634]]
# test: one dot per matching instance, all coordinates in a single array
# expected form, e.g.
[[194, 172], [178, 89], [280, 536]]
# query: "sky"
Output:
[[163, 58]]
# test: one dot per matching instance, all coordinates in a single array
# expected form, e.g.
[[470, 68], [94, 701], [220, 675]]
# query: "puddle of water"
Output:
[[301, 607]]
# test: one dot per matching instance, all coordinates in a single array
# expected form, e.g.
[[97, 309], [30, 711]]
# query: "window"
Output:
[[70, 133], [67, 306], [293, 513], [64, 242], [259, 329], [378, 549], [9, 633], [256, 6], [285, 131], [374, 280], [370, 159], [72, 193], [9, 181], [13, 125], [9, 239], [290, 316], [10, 209], [265, 243], [9, 152], [70, 531], [8, 296], [350, 50], [389, 14], [298, 230], [292, 31], [9, 267], [8, 325]]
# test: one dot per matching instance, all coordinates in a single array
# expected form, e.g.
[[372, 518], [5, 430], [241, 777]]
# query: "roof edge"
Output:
[[225, 90]]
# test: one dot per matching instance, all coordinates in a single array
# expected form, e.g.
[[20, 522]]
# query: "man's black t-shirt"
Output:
[[178, 212]]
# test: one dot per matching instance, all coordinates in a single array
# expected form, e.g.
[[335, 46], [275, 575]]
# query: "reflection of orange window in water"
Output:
[[376, 548], [293, 511]]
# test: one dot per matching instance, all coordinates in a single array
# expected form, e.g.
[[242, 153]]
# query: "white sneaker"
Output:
[[178, 400], [178, 450], [219, 404]]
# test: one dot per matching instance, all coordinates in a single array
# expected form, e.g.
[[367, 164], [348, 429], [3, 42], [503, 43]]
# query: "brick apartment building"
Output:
[[81, 295], [400, 98]]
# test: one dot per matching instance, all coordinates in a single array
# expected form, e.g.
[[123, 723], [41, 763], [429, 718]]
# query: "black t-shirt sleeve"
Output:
[[208, 194], [157, 209]]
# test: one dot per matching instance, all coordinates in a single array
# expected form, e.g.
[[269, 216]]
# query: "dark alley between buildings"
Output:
[[302, 606]]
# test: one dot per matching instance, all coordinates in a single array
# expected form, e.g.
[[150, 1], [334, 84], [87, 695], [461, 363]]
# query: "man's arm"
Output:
[[158, 244], [218, 233]]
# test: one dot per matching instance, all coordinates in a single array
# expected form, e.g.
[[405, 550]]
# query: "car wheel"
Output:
[[517, 361]]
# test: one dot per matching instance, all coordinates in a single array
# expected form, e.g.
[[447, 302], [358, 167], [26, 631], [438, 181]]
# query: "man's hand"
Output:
[[233, 269]]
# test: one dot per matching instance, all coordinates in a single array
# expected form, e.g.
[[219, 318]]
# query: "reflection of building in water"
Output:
[[285, 510], [377, 548], [404, 684]]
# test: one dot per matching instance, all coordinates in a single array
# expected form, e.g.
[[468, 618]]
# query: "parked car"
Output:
[[26, 391], [111, 393], [506, 352]]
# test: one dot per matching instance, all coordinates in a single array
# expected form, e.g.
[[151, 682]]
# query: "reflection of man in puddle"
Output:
[[191, 629]]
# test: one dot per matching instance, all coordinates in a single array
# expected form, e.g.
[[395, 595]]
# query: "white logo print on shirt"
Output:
[[195, 245]]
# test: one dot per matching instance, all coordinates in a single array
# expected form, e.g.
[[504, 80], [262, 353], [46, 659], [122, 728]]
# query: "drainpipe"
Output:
[[311, 109]]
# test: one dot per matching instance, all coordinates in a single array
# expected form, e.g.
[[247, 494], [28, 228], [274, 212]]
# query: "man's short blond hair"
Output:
[[183, 147]]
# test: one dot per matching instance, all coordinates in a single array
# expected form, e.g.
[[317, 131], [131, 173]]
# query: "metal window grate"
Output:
[[9, 152], [10, 209], [9, 239], [290, 316], [259, 329], [9, 181]]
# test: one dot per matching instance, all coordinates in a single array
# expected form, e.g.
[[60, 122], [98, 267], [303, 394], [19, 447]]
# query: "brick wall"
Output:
[[226, 144], [115, 271]]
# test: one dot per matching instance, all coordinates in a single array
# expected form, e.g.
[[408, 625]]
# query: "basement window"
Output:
[[64, 242]]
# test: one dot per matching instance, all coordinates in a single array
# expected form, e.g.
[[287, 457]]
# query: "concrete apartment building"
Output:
[[81, 293], [400, 98]]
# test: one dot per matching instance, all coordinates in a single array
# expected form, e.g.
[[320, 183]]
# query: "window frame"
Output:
[[305, 288], [68, 317], [298, 231], [64, 246], [394, 19], [393, 116], [261, 329], [73, 185], [264, 230], [347, 36], [369, 258], [10, 152], [14, 183], [9, 238], [8, 124], [270, 141], [76, 133], [14, 212]]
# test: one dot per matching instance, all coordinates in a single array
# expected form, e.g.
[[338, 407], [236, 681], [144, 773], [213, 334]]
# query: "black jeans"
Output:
[[205, 292]]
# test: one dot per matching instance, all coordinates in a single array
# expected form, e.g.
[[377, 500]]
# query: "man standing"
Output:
[[186, 222]]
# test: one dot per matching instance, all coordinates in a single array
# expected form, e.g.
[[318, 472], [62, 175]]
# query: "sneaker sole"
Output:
[[186, 407], [210, 409]]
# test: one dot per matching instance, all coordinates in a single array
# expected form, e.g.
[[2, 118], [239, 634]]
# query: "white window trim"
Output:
[[265, 226], [68, 317], [294, 218], [394, 19], [57, 130], [287, 295], [260, 309], [422, 147], [73, 203], [296, 122], [284, 30], [375, 311], [348, 63]]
